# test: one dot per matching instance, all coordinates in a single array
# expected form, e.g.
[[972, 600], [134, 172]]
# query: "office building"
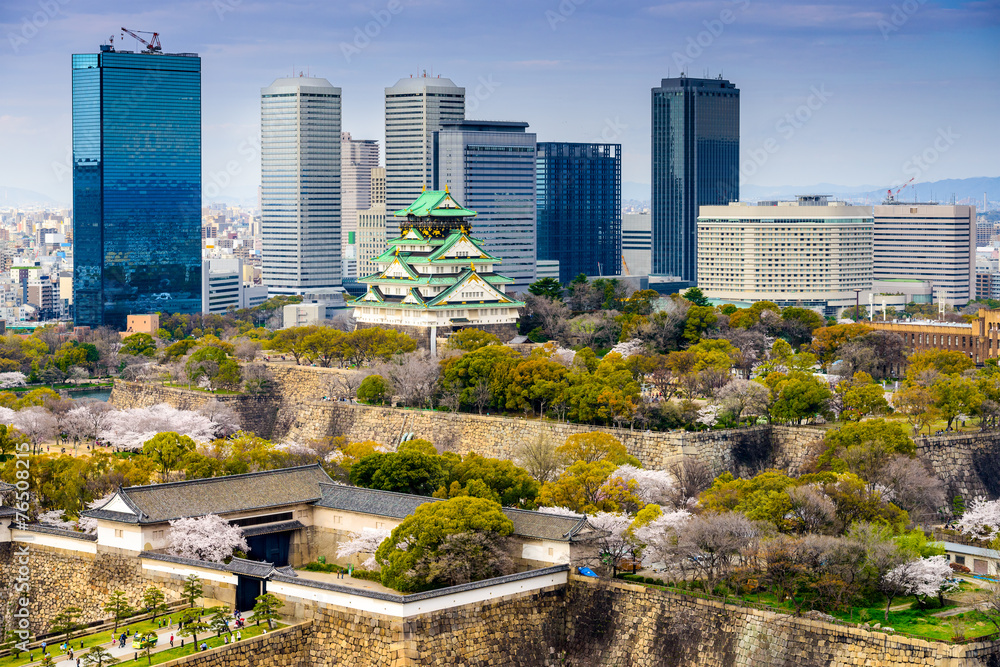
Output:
[[928, 242], [579, 207], [415, 108], [136, 185], [437, 277], [810, 253], [637, 244], [224, 287], [489, 166], [357, 158], [300, 185], [547, 268], [696, 156], [370, 239]]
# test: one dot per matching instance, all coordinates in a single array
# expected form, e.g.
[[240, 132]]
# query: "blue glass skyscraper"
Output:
[[579, 197], [136, 185], [696, 156]]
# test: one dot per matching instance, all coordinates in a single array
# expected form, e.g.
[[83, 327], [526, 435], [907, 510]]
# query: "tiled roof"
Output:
[[371, 501], [270, 528], [61, 532], [219, 495], [7, 511], [250, 568], [435, 203], [538, 525]]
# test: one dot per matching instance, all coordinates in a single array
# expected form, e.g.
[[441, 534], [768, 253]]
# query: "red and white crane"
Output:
[[152, 46]]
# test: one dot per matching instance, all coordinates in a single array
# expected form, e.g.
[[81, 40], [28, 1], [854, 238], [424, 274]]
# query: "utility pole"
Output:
[[857, 303]]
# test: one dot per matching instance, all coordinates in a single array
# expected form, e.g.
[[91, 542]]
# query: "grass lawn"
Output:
[[189, 647], [224, 392]]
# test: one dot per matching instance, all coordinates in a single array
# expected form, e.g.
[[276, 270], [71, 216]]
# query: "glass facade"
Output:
[[490, 168], [696, 155], [579, 200], [300, 185], [136, 185]]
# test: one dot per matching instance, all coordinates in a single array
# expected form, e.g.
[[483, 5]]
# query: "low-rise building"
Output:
[[979, 339]]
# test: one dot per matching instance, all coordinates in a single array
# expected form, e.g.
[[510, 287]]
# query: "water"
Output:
[[100, 394]]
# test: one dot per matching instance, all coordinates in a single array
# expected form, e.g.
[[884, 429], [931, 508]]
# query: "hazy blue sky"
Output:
[[886, 80]]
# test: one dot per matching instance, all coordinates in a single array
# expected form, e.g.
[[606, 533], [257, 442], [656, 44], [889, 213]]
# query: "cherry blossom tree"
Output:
[[629, 348], [709, 415], [37, 423], [651, 486], [659, 537], [210, 538], [981, 519], [613, 542], [129, 429], [561, 511], [222, 415], [365, 542], [923, 578], [743, 397], [6, 416], [13, 379], [90, 419]]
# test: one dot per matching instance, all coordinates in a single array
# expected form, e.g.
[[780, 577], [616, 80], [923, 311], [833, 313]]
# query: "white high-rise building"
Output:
[[414, 109], [357, 158], [370, 241], [637, 244], [300, 185]]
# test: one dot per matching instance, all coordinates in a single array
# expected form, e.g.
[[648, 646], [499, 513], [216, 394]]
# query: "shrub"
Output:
[[367, 575], [650, 580]]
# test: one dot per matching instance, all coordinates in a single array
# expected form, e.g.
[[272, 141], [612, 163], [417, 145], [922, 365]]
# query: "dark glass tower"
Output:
[[579, 207], [696, 157], [136, 185]]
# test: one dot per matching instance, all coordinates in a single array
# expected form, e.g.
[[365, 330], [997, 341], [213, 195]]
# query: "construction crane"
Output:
[[152, 46], [890, 196], [627, 272]]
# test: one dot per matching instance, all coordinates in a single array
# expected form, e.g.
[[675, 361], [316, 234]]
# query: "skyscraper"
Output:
[[579, 198], [490, 167], [300, 185], [414, 109], [929, 242], [136, 185], [371, 239], [357, 158], [696, 155]]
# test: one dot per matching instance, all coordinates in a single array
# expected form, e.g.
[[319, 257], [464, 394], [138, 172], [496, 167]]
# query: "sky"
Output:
[[851, 92]]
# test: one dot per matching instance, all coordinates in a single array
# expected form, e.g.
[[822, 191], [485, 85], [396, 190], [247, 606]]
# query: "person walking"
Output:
[[239, 635], [171, 639]]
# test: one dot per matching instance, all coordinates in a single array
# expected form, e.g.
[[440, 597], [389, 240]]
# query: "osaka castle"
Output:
[[436, 278]]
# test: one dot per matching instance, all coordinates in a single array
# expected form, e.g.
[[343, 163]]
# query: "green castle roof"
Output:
[[437, 204]]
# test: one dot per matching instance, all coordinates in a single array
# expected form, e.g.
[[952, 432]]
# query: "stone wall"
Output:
[[287, 647], [969, 463], [617, 624]]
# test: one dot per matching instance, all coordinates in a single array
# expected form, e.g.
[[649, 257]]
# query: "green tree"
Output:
[[192, 589], [945, 362], [175, 351], [696, 296], [10, 438], [503, 481], [863, 400], [219, 620], [404, 472], [827, 340], [579, 487], [918, 405], [865, 448], [325, 345], [954, 395], [292, 341], [423, 534], [67, 622], [699, 320], [797, 396], [595, 446], [548, 287], [191, 624], [470, 339], [154, 601], [118, 606], [168, 449], [98, 656], [139, 345], [46, 660], [418, 445], [374, 390], [266, 609]]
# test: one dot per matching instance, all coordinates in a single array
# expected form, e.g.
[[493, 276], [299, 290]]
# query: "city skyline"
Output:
[[860, 78]]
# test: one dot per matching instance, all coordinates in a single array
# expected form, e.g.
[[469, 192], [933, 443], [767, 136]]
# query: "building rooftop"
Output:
[[157, 503], [436, 204]]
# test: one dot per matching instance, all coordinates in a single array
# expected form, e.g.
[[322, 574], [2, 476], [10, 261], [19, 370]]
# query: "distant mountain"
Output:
[[20, 198], [636, 191], [960, 190]]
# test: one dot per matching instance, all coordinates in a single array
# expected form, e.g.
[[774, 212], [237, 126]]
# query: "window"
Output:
[[379, 525], [157, 535], [960, 560], [119, 532]]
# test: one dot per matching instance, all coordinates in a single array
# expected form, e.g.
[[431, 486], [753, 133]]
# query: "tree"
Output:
[[499, 480], [210, 538], [192, 589], [168, 450], [612, 542], [291, 340], [954, 396], [861, 401], [539, 457], [827, 340], [219, 620], [46, 660], [365, 542], [922, 578], [10, 438], [67, 622], [945, 362], [990, 605], [981, 519], [118, 606], [420, 537], [740, 397], [699, 320], [404, 472], [266, 609], [138, 345], [796, 396], [917, 404], [548, 287], [191, 624], [696, 296], [154, 601], [374, 390], [865, 448], [37, 424], [98, 656], [579, 487], [913, 487], [595, 446]]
